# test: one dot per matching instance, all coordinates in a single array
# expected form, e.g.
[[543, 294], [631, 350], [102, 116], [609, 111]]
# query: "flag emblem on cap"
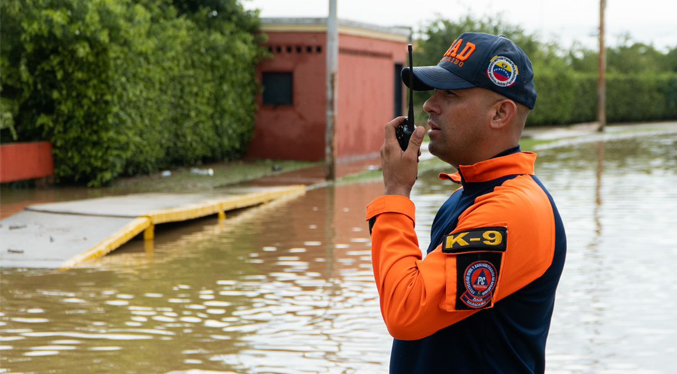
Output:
[[502, 71]]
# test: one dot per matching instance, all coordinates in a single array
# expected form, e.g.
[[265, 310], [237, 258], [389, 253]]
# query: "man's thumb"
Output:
[[416, 138]]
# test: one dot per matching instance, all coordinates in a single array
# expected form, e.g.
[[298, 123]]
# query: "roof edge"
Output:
[[282, 24]]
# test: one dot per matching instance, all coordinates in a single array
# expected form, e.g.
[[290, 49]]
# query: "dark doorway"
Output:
[[398, 89]]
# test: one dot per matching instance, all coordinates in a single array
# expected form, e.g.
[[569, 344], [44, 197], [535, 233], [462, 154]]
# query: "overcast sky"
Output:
[[647, 21]]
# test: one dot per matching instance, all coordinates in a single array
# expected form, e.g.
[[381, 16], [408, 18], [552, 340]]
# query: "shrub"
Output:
[[572, 98], [126, 87]]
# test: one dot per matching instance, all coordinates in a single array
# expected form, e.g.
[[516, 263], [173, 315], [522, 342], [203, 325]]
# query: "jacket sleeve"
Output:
[[419, 297], [411, 289]]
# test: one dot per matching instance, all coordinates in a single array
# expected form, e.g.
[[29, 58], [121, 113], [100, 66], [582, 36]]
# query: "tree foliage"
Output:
[[641, 80], [125, 87]]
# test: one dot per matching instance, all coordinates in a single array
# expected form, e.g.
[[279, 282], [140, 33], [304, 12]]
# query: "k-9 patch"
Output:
[[476, 240], [479, 255]]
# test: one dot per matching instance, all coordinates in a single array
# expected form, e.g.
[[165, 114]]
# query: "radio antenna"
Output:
[[404, 131], [410, 120]]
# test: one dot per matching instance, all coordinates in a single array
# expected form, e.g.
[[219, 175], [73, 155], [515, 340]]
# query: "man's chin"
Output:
[[432, 148], [437, 150]]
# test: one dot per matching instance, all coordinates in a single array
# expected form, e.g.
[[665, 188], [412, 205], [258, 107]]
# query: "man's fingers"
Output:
[[415, 142], [390, 130]]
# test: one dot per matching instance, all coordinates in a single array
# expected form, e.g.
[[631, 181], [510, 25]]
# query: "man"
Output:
[[482, 299]]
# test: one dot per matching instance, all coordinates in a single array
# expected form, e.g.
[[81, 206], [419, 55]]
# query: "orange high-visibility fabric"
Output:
[[418, 296]]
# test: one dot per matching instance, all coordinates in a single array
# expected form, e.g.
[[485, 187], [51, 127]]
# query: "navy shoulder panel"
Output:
[[446, 218]]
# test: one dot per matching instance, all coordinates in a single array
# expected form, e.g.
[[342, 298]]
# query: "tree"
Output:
[[127, 87], [437, 36]]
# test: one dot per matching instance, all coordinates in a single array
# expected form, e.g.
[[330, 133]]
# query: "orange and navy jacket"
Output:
[[482, 299]]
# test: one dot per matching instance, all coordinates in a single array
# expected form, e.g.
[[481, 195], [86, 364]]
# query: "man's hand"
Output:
[[400, 168]]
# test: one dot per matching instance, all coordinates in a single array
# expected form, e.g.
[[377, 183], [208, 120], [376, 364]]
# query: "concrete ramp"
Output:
[[47, 240], [67, 234]]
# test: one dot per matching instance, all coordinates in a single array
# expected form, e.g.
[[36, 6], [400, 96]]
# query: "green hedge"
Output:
[[126, 87], [572, 98]]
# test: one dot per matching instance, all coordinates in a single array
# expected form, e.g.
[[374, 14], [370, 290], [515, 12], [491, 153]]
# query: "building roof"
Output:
[[347, 27]]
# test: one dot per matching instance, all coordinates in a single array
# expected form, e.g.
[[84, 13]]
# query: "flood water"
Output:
[[288, 287]]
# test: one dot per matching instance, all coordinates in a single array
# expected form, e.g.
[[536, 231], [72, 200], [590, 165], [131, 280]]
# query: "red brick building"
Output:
[[291, 115]]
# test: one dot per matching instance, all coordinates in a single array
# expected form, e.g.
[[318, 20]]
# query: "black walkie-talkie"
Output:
[[404, 131]]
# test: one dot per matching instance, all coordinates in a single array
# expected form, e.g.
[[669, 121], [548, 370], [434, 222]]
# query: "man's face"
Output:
[[458, 123]]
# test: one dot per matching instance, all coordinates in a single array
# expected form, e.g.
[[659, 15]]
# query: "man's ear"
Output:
[[504, 112]]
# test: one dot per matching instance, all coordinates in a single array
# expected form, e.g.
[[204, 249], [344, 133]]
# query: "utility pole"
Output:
[[601, 86], [332, 90]]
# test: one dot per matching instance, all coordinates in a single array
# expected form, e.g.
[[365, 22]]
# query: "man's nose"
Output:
[[430, 106]]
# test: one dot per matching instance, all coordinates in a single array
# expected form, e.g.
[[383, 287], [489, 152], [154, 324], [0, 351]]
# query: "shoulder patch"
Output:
[[492, 239], [479, 280]]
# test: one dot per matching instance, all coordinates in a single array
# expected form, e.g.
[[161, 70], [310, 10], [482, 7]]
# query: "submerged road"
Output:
[[67, 234]]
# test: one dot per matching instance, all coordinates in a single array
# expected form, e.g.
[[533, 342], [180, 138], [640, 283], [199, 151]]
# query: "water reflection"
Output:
[[288, 287], [611, 314]]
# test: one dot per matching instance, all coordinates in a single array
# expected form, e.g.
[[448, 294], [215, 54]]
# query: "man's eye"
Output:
[[450, 93]]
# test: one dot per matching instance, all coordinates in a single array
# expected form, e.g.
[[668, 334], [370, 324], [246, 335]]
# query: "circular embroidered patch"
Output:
[[502, 71], [480, 281]]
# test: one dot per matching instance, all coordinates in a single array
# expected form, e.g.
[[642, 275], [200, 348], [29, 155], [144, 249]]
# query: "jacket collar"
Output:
[[510, 162]]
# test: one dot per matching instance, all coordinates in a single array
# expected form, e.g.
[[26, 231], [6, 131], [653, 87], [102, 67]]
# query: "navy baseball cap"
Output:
[[480, 60]]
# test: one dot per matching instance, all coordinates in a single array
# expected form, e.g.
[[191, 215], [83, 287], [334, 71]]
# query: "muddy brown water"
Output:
[[288, 288]]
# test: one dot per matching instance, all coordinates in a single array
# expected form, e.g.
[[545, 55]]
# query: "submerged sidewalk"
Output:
[[67, 234]]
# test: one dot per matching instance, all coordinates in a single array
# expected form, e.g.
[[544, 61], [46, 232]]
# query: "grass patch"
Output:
[[374, 175], [530, 144], [223, 174]]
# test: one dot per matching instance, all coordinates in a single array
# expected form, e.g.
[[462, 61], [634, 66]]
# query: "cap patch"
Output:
[[502, 71], [457, 56]]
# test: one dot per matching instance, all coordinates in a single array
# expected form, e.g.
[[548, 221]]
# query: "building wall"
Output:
[[366, 93], [366, 97], [293, 132]]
